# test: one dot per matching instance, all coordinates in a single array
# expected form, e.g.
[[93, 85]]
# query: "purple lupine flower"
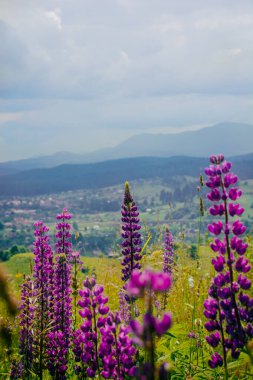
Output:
[[59, 336], [77, 266], [216, 360], [131, 245], [86, 339], [101, 344], [116, 349], [228, 308], [143, 285], [168, 257], [43, 285], [16, 370], [124, 307], [140, 281], [26, 316]]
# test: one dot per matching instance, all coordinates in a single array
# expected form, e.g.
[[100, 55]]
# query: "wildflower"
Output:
[[77, 265], [101, 344], [16, 370], [59, 336], [228, 307], [191, 281], [26, 317], [168, 258], [43, 284], [141, 285], [124, 307], [131, 245]]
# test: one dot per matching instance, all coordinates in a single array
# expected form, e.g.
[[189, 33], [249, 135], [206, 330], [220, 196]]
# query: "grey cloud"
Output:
[[180, 51], [120, 67]]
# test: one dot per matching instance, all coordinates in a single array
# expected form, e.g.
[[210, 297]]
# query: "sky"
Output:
[[86, 74]]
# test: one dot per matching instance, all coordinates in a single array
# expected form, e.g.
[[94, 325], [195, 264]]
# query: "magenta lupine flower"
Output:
[[124, 307], [144, 285], [16, 370], [43, 285], [168, 257], [101, 344], [228, 308], [86, 338], [26, 316], [77, 266], [141, 281], [59, 336], [131, 245], [116, 349]]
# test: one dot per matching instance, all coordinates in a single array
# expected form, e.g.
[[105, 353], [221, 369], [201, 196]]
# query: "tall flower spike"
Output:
[[77, 266], [168, 257], [101, 345], [60, 335], [26, 316], [43, 285], [168, 262], [86, 338], [229, 308], [116, 349], [131, 245], [124, 307]]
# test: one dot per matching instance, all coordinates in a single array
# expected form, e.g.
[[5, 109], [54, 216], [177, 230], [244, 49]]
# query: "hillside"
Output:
[[109, 173]]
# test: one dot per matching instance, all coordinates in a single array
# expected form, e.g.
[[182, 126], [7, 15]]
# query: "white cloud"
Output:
[[55, 17], [235, 51], [6, 117]]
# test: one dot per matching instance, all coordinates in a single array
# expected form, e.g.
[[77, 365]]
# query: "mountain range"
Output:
[[108, 173], [229, 138]]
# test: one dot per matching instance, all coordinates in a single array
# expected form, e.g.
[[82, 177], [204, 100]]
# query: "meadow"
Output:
[[177, 350]]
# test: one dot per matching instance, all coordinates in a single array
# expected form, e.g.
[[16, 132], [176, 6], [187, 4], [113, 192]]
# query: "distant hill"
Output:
[[108, 173], [59, 158], [229, 138]]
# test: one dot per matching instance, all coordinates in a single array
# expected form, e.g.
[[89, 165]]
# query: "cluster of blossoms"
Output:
[[101, 345], [168, 257], [26, 316], [124, 307], [59, 336], [77, 266], [146, 284], [228, 307], [131, 245], [116, 349], [43, 285], [16, 370]]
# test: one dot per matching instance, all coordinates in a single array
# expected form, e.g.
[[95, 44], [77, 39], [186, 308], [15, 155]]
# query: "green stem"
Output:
[[223, 343]]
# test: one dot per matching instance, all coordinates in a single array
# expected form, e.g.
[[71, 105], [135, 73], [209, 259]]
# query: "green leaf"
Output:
[[189, 305], [170, 335]]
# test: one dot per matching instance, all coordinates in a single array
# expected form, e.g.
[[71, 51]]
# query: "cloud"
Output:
[[120, 67], [55, 17]]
